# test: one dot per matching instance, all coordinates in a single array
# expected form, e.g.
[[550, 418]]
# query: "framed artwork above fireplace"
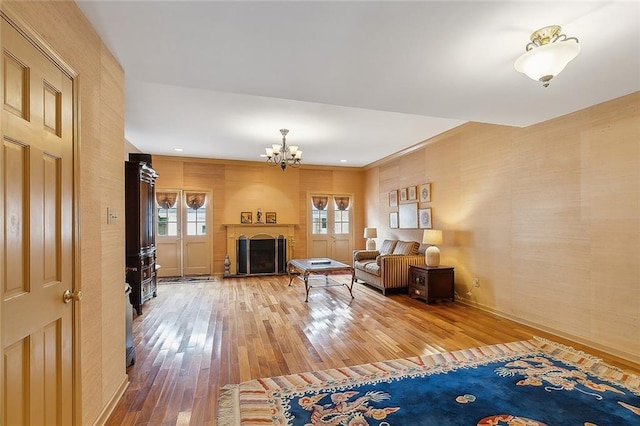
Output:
[[246, 217]]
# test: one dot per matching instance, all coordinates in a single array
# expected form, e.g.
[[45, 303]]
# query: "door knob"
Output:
[[69, 296]]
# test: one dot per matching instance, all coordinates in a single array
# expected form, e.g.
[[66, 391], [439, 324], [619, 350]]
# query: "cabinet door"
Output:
[[441, 284]]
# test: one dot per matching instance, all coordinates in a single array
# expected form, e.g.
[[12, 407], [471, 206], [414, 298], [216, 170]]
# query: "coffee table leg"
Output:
[[290, 274], [353, 279], [306, 286]]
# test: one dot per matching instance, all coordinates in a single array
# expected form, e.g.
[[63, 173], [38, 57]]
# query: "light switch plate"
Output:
[[112, 216]]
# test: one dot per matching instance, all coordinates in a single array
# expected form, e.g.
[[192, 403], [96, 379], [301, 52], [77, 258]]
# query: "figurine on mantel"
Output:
[[259, 216]]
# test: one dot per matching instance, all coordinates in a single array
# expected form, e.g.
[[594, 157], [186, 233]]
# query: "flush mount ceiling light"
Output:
[[283, 155], [547, 54]]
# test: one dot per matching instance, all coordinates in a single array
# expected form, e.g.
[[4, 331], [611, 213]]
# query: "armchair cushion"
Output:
[[387, 246], [406, 248]]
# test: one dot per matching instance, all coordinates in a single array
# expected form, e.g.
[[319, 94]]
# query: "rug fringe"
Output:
[[229, 406], [569, 349], [595, 365]]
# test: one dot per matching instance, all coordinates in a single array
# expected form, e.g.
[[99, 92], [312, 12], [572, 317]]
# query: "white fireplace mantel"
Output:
[[249, 230]]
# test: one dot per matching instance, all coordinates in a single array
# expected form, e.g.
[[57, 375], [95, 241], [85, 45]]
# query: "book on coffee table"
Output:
[[320, 262]]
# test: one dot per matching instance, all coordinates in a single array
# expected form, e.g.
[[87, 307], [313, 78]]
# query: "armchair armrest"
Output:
[[395, 268], [365, 254]]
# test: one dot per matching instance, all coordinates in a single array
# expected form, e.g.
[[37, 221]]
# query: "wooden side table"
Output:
[[431, 283]]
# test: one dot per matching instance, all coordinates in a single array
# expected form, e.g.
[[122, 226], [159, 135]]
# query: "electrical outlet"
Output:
[[476, 282]]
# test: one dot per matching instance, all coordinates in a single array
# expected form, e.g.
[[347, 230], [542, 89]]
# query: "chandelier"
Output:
[[547, 54], [283, 155]]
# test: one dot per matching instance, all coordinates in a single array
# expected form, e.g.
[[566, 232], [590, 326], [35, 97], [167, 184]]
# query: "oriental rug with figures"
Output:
[[527, 383]]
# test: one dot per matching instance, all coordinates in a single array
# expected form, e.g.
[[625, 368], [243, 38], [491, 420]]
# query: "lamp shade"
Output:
[[370, 232], [547, 60], [432, 237]]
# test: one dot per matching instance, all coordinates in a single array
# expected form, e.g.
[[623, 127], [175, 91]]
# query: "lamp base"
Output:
[[371, 244], [432, 256]]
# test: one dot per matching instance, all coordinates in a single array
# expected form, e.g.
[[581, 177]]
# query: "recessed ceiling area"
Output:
[[351, 80]]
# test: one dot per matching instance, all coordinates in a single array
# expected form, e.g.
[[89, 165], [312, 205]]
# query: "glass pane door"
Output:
[[330, 230]]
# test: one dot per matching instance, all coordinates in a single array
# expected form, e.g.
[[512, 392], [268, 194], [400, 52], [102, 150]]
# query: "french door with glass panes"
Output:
[[330, 232], [183, 242]]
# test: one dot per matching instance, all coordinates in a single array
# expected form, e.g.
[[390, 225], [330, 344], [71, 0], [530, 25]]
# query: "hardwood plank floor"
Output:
[[196, 337]]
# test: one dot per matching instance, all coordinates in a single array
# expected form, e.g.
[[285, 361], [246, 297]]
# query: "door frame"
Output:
[[9, 17]]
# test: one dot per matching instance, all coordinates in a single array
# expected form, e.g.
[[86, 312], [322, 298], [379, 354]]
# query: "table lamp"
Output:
[[432, 237], [370, 234]]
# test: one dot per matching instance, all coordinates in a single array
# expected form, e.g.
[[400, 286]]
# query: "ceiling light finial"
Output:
[[283, 155], [547, 54]]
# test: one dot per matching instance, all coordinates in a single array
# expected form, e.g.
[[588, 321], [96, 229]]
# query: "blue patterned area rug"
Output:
[[526, 383]]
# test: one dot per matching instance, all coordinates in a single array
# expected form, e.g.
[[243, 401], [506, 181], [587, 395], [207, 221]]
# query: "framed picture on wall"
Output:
[[411, 193], [425, 193], [246, 217], [393, 198], [270, 217], [403, 194], [408, 216], [393, 220], [424, 218]]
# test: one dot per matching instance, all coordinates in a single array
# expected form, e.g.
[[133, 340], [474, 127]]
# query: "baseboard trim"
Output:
[[611, 351], [111, 405]]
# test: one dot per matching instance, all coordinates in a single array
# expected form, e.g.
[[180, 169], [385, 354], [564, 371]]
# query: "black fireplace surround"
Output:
[[261, 254]]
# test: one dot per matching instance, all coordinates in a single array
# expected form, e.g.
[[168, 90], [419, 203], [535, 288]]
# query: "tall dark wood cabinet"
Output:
[[140, 179]]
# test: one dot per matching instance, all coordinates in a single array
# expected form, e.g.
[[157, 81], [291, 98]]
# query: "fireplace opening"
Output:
[[261, 254], [262, 259]]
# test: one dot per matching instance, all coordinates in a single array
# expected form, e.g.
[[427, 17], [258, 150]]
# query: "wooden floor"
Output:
[[196, 337]]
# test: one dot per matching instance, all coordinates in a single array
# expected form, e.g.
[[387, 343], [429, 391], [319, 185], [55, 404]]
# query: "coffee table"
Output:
[[302, 268]]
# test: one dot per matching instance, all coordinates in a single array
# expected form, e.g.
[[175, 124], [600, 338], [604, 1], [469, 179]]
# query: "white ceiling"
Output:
[[352, 80]]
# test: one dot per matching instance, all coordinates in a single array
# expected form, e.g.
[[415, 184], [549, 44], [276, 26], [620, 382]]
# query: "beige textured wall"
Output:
[[101, 182], [546, 217], [245, 186]]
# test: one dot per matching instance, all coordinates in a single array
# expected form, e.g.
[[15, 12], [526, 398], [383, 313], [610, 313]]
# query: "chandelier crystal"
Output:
[[547, 54], [283, 155]]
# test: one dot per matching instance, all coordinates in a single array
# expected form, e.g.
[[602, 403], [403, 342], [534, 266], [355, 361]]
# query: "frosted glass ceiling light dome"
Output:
[[547, 54]]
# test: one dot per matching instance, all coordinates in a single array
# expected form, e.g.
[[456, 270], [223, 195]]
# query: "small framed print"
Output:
[[403, 194], [270, 217], [393, 220], [425, 193], [424, 218], [393, 198], [246, 217], [411, 193]]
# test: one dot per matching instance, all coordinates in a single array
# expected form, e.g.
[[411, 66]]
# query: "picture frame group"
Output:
[[247, 218], [410, 214]]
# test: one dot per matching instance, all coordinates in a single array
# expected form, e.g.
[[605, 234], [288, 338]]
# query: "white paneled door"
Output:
[[330, 232], [183, 237]]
